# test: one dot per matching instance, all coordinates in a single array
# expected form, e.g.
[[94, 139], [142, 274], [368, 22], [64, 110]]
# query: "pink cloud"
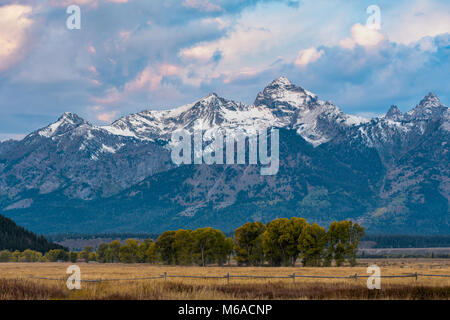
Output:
[[92, 50], [14, 26], [150, 78], [107, 116], [111, 96], [91, 3]]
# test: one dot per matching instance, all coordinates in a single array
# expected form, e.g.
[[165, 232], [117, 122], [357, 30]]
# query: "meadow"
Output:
[[18, 281]]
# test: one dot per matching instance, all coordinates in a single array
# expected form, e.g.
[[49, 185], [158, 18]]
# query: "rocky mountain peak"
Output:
[[71, 118], [281, 93], [66, 122], [281, 81], [429, 108], [430, 99], [394, 113]]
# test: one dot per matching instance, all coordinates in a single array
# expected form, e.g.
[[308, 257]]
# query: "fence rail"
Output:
[[228, 276]]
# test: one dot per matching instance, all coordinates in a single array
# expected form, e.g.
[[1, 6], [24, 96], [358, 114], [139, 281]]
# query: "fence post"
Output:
[[228, 278], [416, 275], [293, 277], [165, 276]]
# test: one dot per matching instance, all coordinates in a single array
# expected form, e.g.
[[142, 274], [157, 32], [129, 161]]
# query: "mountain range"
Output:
[[389, 173]]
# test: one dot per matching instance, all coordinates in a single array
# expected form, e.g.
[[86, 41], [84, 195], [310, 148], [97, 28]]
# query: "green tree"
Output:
[[280, 240], [56, 255], [5, 256], [30, 256], [297, 226], [229, 249], [248, 244], [112, 253], [164, 245], [342, 242], [128, 253], [311, 244], [142, 250], [183, 246], [85, 254], [151, 255], [210, 246], [15, 256], [73, 256], [356, 234], [102, 253]]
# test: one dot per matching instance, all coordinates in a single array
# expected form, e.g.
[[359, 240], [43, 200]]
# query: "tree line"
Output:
[[409, 241], [14, 237], [280, 242]]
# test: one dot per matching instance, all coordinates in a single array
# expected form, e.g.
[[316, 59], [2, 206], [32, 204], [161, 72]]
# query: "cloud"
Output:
[[363, 36], [92, 50], [202, 53], [14, 25], [307, 56], [91, 3], [417, 19], [11, 136], [120, 62], [107, 116], [202, 5], [150, 78]]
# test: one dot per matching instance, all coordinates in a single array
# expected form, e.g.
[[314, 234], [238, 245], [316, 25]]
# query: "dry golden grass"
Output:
[[16, 282]]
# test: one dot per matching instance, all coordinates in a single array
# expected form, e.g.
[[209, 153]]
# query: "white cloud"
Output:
[[363, 36], [418, 19], [307, 56], [258, 37], [11, 136], [14, 24]]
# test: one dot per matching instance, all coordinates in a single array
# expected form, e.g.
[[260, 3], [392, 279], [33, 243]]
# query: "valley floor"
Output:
[[19, 281]]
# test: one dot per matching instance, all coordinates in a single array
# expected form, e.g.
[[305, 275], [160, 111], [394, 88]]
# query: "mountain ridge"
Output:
[[397, 163]]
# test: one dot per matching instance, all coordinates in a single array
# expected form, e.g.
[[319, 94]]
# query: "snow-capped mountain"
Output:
[[391, 173], [281, 104]]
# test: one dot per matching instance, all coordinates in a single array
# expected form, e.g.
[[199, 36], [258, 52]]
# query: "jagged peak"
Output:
[[430, 100], [281, 91], [66, 122], [71, 118], [430, 107], [281, 81], [394, 113]]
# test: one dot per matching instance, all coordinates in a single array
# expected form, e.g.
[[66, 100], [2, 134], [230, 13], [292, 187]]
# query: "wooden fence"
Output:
[[229, 276]]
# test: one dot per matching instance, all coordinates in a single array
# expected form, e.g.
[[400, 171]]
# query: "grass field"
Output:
[[16, 282]]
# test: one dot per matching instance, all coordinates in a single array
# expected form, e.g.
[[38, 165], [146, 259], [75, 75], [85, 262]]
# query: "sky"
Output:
[[132, 55]]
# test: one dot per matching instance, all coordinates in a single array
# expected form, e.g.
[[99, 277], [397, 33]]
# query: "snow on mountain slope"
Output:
[[396, 128], [280, 104]]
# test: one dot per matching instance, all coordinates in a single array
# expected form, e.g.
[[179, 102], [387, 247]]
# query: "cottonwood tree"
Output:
[[128, 253], [183, 245], [210, 245], [164, 245], [311, 244], [342, 241], [248, 244]]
